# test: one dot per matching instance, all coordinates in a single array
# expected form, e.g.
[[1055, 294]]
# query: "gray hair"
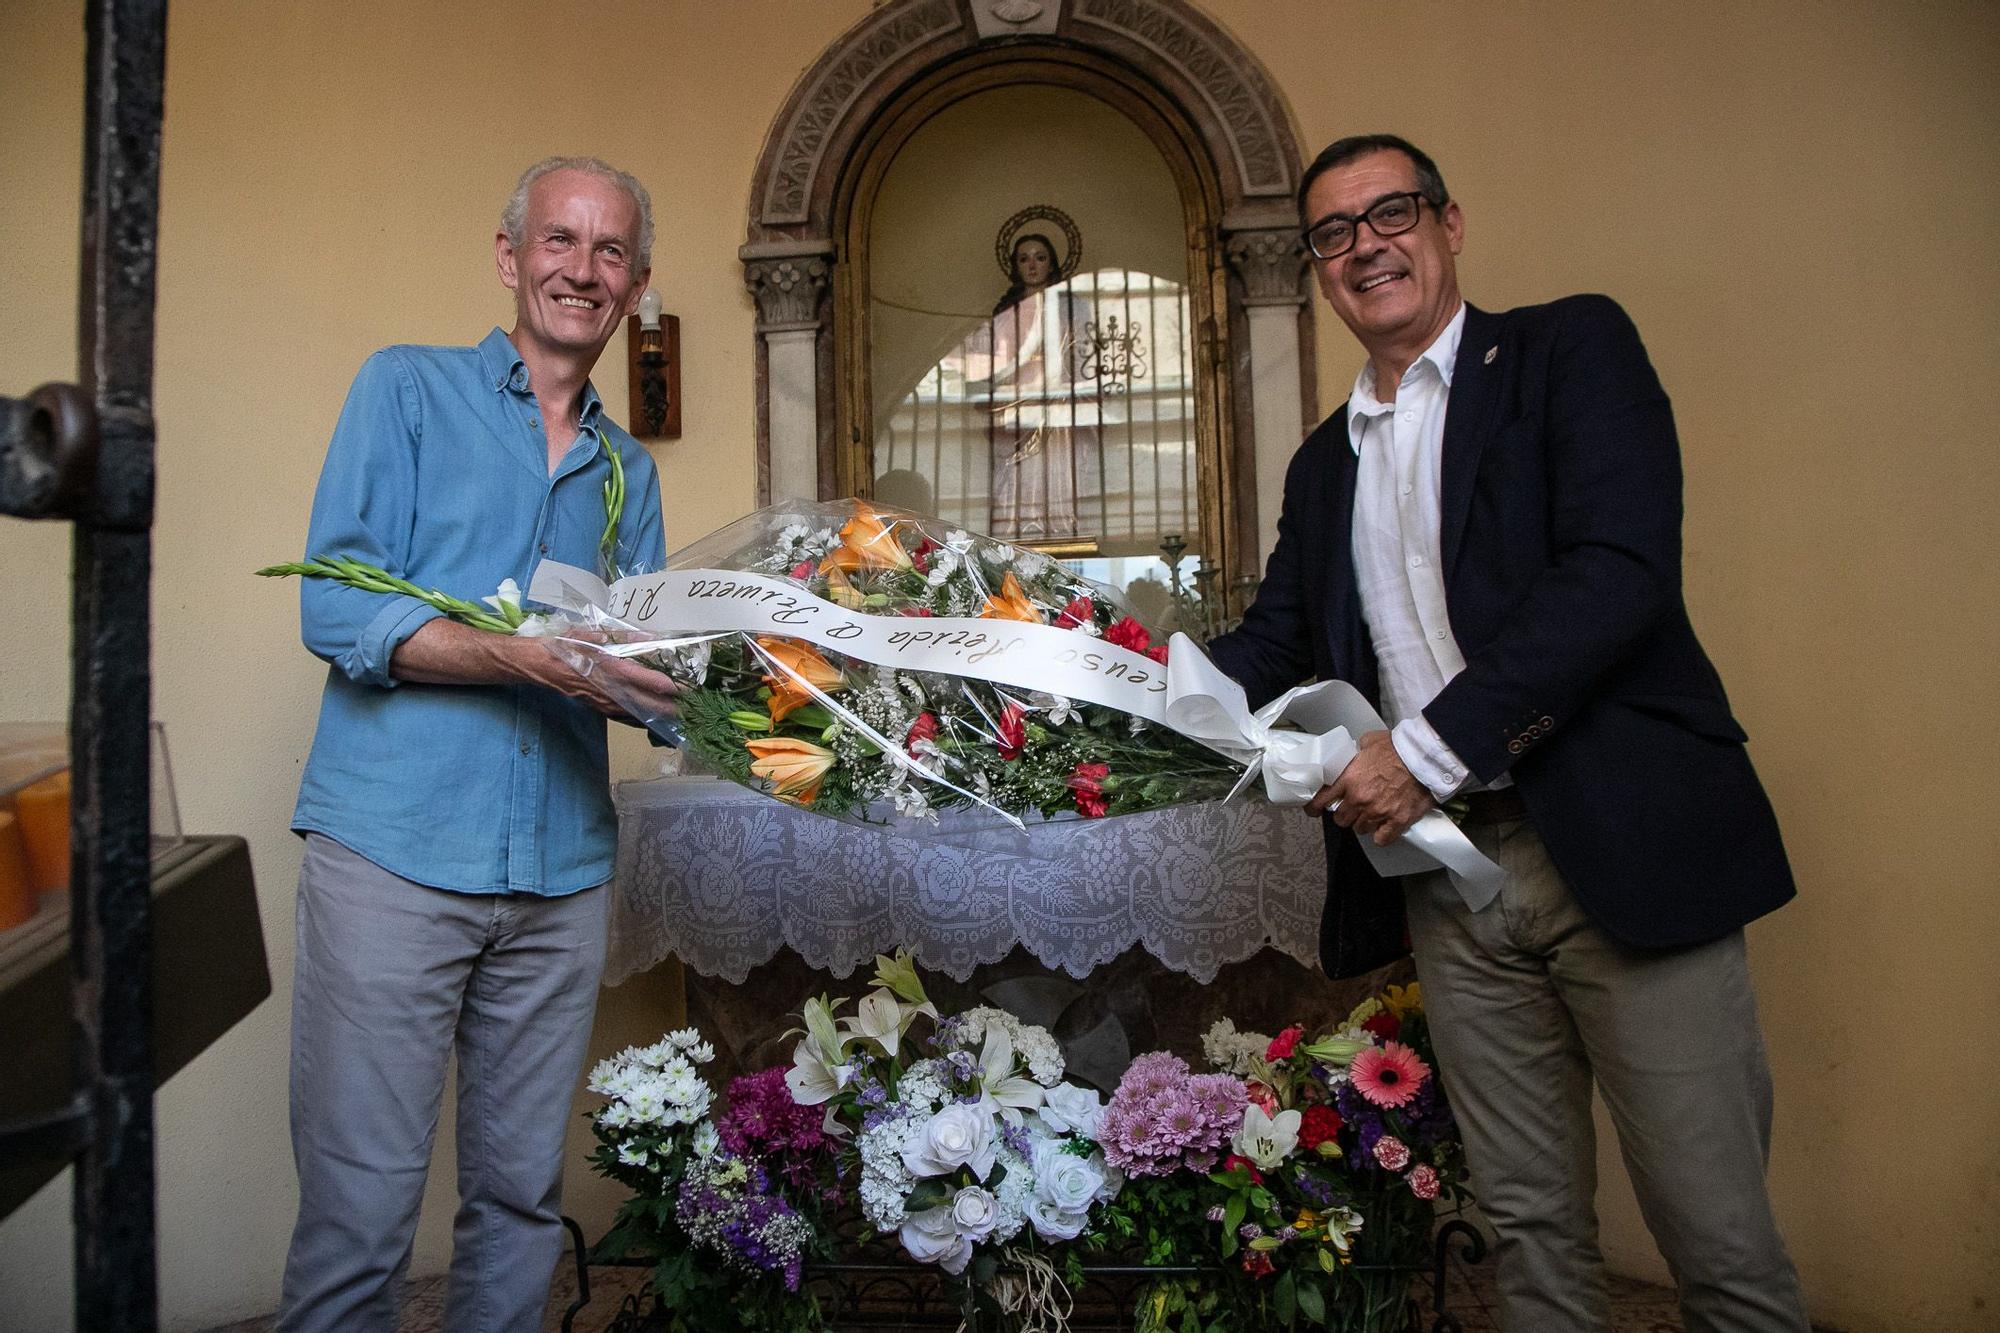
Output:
[[514, 217]]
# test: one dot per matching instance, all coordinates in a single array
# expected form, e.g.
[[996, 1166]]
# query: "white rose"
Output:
[[1069, 1109], [1052, 1223], [959, 1135], [1064, 1179], [931, 1237], [975, 1213]]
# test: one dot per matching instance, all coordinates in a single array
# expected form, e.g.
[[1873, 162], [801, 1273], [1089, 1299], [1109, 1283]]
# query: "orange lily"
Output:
[[794, 768], [1010, 603], [866, 542], [798, 665], [841, 591]]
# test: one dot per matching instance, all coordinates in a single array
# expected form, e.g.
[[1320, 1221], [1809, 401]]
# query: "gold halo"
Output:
[[1003, 241]]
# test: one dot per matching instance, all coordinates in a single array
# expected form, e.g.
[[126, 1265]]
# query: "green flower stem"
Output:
[[614, 509], [371, 578]]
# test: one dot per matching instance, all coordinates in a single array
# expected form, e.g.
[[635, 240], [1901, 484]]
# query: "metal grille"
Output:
[[1067, 418]]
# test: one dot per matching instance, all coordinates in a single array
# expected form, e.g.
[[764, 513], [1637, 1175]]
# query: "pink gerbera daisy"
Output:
[[1389, 1074]]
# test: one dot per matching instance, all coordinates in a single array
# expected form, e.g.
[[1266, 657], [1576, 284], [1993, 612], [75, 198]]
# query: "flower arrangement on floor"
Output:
[[1298, 1177], [1328, 1194]]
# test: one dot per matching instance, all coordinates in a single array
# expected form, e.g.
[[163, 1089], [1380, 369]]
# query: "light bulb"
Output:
[[649, 309]]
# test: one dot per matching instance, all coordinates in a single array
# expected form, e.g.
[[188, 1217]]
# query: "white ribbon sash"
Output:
[[1189, 694]]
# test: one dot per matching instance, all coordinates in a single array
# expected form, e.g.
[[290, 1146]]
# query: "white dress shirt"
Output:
[[1398, 552]]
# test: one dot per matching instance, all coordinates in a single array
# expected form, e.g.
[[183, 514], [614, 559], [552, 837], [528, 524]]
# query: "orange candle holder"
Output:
[[44, 817], [17, 889]]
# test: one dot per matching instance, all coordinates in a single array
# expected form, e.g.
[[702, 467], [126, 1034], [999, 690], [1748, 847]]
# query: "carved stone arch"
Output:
[[1229, 108]]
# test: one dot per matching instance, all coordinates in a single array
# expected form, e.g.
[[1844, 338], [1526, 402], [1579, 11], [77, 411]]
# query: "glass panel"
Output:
[[1065, 421]]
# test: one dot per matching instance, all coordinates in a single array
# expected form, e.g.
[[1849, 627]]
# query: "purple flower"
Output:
[[1163, 1118]]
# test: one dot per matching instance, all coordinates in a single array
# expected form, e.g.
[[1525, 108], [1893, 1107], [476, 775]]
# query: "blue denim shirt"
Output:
[[438, 471]]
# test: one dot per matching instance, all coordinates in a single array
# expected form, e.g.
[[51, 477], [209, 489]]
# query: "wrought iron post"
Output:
[[85, 454]]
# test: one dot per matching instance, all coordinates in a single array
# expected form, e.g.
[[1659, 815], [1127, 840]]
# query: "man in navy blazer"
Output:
[[1485, 540]]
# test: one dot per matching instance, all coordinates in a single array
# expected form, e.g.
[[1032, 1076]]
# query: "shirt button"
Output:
[[1416, 560], [1408, 489], [534, 421], [1409, 416], [1437, 634], [527, 748], [545, 548]]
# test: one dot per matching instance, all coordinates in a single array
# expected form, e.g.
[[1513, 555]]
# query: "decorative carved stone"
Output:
[[877, 43], [1268, 260], [1015, 18], [789, 289], [1182, 40]]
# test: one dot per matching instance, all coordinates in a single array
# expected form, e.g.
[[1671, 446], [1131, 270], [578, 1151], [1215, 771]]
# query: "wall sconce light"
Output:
[[654, 343]]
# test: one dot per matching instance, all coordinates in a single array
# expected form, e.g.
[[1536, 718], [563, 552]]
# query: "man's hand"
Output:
[[443, 652], [1375, 795]]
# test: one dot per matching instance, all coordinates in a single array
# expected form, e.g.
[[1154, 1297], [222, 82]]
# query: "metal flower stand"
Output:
[[878, 1290]]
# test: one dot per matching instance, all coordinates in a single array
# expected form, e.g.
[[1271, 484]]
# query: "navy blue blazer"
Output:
[[1561, 517]]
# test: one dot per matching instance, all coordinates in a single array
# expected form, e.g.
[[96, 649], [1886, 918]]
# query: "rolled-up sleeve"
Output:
[[365, 509]]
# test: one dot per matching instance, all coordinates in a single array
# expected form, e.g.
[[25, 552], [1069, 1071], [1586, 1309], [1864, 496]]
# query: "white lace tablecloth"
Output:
[[723, 878]]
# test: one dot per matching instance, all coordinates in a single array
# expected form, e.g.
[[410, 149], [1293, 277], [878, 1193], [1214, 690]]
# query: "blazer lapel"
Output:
[[1468, 423]]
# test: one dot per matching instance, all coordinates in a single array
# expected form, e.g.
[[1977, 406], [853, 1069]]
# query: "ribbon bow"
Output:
[[1325, 720]]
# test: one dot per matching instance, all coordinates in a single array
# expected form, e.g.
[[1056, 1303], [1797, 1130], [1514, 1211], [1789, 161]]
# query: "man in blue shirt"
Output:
[[455, 806]]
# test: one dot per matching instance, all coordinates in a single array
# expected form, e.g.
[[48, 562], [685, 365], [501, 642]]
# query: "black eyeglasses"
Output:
[[1334, 235]]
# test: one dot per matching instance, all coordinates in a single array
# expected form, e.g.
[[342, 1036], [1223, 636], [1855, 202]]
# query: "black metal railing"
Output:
[[84, 454]]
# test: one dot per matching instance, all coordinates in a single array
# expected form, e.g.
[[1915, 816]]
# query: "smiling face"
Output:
[[1395, 293], [1033, 264], [574, 274]]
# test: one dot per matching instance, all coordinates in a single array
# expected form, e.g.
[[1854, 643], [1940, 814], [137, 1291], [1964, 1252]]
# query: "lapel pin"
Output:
[[1491, 353]]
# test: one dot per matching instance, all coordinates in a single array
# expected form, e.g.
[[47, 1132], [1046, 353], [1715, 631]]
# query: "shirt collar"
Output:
[[504, 369], [1442, 354]]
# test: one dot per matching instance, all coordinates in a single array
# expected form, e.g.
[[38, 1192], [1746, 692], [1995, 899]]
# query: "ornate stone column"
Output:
[[789, 279], [1265, 251]]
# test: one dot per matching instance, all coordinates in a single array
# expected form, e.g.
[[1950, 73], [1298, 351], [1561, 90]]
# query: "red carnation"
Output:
[[1080, 611], [1284, 1044], [1129, 633], [1320, 1124], [923, 729], [1011, 732], [921, 556], [1158, 652], [915, 611], [1384, 1025], [803, 570], [1257, 1263], [1087, 781]]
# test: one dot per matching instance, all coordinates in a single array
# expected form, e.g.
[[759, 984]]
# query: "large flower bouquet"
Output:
[[864, 662], [1324, 1199], [1295, 1182]]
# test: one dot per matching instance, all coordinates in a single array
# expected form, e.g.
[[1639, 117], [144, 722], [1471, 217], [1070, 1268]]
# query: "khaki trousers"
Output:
[[1528, 1003]]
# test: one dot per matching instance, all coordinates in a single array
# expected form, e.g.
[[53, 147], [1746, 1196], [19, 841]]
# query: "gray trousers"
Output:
[[389, 975], [1528, 1002]]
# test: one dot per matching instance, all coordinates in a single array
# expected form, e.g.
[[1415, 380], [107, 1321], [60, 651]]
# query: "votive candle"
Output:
[[17, 891], [44, 809]]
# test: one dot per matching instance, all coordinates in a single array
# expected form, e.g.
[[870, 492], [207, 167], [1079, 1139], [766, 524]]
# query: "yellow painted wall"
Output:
[[1795, 201]]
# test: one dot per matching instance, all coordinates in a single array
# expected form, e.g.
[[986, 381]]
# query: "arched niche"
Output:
[[1204, 100]]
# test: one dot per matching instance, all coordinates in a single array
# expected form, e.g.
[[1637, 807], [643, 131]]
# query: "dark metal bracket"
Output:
[[48, 453]]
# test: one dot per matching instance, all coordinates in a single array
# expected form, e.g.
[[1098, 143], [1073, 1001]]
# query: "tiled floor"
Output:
[[1636, 1307]]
